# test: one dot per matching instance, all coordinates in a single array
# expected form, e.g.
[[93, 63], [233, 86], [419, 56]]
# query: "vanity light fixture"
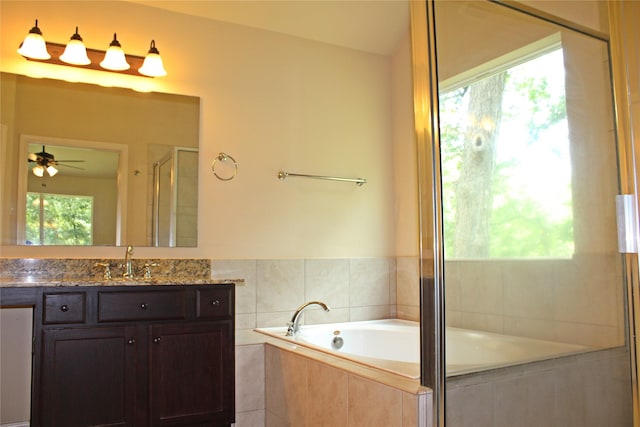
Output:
[[114, 58], [153, 66], [75, 53], [34, 46]]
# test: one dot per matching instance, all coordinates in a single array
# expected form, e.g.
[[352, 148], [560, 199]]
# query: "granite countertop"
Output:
[[47, 272], [24, 282]]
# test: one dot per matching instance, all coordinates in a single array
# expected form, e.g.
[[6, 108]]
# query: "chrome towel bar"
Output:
[[359, 181]]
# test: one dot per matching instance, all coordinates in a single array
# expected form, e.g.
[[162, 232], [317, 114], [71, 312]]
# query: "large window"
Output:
[[56, 219], [506, 164]]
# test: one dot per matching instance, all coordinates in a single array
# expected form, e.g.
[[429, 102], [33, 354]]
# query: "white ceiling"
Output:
[[369, 25]]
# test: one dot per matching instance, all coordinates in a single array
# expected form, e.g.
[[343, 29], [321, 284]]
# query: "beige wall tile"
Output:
[[318, 316], [245, 321], [408, 281], [373, 404], [482, 322], [525, 401], [480, 285], [280, 285], [278, 318], [408, 312], [250, 419], [286, 395], [369, 313], [328, 396], [250, 385], [409, 410], [368, 282], [470, 406], [234, 269], [327, 280], [532, 328]]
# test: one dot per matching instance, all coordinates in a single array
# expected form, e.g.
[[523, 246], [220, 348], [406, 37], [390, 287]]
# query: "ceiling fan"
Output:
[[46, 162]]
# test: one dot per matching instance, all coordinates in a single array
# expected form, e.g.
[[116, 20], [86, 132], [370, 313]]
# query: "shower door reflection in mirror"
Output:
[[175, 196], [534, 281]]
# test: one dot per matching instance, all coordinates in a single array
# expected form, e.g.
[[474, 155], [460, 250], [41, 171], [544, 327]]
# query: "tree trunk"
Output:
[[474, 189]]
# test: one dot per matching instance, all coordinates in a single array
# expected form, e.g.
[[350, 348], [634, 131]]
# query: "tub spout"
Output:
[[293, 326]]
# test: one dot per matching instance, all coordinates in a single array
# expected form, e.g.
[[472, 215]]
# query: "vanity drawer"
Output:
[[147, 305], [214, 302], [64, 307]]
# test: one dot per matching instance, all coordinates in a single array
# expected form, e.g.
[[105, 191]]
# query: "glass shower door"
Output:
[[534, 282]]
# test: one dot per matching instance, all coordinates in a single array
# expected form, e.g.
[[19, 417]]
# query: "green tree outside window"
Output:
[[57, 219]]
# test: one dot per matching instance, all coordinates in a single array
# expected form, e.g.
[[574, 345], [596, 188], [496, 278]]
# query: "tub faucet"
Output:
[[128, 267], [293, 326]]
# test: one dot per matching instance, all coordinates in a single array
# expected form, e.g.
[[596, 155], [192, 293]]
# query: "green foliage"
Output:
[[65, 220], [522, 225]]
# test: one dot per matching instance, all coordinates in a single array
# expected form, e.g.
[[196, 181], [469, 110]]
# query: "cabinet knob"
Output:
[[144, 306], [156, 340], [215, 302], [64, 308], [131, 341]]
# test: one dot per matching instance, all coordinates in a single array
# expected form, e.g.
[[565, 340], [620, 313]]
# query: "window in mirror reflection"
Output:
[[505, 161], [59, 219]]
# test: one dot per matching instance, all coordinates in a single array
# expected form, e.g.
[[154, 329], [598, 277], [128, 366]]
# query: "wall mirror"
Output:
[[106, 147]]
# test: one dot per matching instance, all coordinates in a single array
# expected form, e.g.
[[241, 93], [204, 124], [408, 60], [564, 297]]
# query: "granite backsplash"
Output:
[[76, 268]]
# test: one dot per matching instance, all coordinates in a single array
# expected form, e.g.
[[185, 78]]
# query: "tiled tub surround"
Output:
[[585, 390], [578, 301], [354, 289], [308, 388]]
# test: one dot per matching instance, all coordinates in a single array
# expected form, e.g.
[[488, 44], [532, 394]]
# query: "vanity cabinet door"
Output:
[[88, 376], [191, 378]]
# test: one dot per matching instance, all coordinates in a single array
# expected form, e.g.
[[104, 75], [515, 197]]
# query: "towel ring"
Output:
[[223, 157]]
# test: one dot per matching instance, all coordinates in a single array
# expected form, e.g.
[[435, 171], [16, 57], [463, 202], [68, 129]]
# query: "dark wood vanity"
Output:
[[135, 355]]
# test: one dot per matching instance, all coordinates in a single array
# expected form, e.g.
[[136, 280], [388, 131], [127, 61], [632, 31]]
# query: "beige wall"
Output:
[[271, 101]]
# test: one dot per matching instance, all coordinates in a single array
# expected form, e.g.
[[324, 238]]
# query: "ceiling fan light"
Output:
[[51, 170], [38, 171], [114, 58], [152, 65], [34, 46], [75, 53]]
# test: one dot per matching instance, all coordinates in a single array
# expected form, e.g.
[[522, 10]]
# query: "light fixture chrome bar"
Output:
[[359, 181]]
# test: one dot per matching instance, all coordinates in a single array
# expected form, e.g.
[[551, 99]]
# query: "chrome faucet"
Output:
[[293, 326], [128, 267]]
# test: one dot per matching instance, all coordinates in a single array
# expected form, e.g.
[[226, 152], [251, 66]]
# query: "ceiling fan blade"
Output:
[[58, 161], [72, 167]]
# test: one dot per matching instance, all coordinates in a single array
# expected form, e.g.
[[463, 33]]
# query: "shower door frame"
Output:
[[426, 109]]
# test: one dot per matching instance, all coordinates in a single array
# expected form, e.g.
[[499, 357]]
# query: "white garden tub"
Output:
[[394, 345]]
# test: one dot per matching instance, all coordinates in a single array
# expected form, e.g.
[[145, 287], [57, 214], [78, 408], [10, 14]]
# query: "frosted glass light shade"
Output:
[[75, 53], [34, 46], [51, 170], [38, 171], [114, 58], [152, 65]]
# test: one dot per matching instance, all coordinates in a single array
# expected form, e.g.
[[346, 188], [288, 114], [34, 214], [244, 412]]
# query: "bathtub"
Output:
[[394, 345]]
